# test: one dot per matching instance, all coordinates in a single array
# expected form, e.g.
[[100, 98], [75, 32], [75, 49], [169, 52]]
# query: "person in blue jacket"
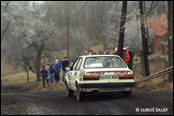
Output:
[[57, 71]]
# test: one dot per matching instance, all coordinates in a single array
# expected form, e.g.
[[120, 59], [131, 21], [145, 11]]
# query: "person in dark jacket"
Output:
[[57, 71], [52, 73], [131, 54], [44, 73], [65, 64]]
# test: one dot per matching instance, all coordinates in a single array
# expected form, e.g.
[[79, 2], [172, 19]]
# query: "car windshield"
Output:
[[104, 62]]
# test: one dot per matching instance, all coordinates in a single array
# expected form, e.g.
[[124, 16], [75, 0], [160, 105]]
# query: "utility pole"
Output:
[[170, 38], [144, 41], [122, 28], [68, 18], [147, 32], [68, 36]]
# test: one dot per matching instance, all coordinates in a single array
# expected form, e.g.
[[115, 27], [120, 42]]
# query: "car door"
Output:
[[72, 74], [77, 69], [76, 73]]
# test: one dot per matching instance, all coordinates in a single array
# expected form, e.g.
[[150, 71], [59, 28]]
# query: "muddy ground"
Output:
[[55, 102]]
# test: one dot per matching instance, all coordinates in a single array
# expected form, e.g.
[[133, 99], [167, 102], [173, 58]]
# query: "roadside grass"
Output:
[[18, 83], [157, 62], [155, 85]]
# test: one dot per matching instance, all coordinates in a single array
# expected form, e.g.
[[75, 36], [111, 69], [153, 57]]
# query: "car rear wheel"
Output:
[[79, 95], [69, 92]]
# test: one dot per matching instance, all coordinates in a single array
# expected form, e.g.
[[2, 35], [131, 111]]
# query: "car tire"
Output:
[[69, 92], [127, 93], [79, 94]]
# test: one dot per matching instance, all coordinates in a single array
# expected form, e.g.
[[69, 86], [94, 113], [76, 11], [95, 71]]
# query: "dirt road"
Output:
[[56, 103]]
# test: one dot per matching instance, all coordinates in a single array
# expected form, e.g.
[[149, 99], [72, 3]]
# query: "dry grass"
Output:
[[18, 83], [158, 84], [156, 63]]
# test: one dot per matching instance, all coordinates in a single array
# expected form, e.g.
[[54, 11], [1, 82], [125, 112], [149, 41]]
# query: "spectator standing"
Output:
[[52, 73], [91, 52], [94, 53], [116, 51], [56, 61], [47, 67], [86, 53], [57, 71], [44, 73], [131, 54], [65, 64], [107, 52], [127, 59]]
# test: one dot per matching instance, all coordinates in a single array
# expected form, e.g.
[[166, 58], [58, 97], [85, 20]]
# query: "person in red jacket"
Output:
[[127, 57]]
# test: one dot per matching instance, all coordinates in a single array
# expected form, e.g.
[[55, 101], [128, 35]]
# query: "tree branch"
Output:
[[6, 5], [5, 30], [152, 7]]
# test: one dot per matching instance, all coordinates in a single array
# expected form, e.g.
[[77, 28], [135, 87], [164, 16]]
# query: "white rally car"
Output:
[[98, 73]]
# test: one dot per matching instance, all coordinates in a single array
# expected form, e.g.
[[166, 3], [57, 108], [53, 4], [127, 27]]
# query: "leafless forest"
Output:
[[32, 31]]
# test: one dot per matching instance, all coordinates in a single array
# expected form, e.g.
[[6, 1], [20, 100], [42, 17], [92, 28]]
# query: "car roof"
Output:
[[84, 56]]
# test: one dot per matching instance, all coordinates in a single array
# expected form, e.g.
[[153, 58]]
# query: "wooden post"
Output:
[[122, 28], [144, 40], [142, 64], [170, 38]]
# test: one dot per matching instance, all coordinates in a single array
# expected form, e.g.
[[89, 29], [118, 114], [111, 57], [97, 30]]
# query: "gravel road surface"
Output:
[[55, 103]]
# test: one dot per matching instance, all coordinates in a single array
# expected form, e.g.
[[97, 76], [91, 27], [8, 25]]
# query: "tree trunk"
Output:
[[38, 61], [38, 71], [122, 28], [38, 68], [170, 38], [27, 76]]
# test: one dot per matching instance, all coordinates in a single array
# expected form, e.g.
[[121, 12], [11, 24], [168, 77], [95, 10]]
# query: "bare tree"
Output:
[[27, 41], [4, 7], [79, 43]]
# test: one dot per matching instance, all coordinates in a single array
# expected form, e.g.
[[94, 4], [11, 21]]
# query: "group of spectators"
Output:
[[50, 73], [128, 58]]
